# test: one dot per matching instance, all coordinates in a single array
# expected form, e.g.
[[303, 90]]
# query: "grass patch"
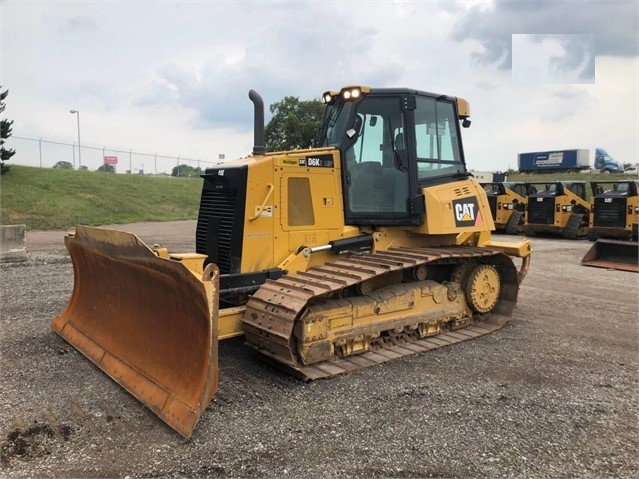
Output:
[[46, 199], [541, 177]]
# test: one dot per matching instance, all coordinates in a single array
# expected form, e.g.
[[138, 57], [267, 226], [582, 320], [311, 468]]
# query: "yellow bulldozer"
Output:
[[372, 246]]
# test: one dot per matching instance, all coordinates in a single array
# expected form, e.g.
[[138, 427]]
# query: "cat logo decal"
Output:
[[467, 212]]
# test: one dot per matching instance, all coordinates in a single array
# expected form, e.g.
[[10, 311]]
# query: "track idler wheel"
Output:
[[419, 273], [482, 287]]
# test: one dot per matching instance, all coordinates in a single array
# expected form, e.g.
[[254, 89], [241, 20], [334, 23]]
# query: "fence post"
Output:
[[178, 166], [155, 164], [130, 163], [40, 144]]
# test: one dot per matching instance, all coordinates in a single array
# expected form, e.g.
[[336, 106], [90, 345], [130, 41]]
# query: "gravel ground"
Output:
[[552, 394]]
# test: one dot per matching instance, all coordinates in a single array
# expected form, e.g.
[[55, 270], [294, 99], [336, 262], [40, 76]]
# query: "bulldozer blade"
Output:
[[613, 254], [148, 322]]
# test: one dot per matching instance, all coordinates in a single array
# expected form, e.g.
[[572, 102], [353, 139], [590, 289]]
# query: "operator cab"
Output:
[[558, 188], [610, 188], [393, 142]]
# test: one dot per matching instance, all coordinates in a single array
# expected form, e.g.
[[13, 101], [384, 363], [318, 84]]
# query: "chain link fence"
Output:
[[48, 154]]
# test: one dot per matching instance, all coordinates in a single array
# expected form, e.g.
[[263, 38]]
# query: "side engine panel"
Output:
[[458, 207]]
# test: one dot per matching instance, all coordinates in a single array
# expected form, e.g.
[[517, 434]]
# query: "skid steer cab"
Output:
[[507, 202], [559, 208], [372, 246]]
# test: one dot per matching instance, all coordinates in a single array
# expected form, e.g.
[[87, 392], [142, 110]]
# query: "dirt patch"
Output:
[[178, 236], [31, 443]]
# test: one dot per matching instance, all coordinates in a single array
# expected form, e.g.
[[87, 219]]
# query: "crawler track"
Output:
[[515, 224], [274, 313], [576, 227]]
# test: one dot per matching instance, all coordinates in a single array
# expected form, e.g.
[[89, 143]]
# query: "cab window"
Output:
[[376, 180], [437, 138]]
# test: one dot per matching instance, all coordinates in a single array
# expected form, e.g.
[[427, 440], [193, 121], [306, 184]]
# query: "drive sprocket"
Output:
[[482, 288]]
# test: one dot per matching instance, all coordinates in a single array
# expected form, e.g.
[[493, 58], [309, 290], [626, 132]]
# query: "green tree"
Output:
[[186, 171], [294, 124], [5, 132], [63, 165], [106, 168]]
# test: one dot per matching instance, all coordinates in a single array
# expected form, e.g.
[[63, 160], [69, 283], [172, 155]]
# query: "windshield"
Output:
[[603, 154], [334, 127]]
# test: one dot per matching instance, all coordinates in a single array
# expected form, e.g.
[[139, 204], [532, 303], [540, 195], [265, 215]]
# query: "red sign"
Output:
[[110, 160]]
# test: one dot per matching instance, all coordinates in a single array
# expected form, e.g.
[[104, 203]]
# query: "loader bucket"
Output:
[[149, 323], [613, 254]]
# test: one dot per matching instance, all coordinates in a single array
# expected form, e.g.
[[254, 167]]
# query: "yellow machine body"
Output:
[[614, 211], [559, 208], [614, 220], [285, 257], [507, 202]]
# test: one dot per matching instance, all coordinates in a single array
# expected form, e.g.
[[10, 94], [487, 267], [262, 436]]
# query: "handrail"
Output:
[[271, 188]]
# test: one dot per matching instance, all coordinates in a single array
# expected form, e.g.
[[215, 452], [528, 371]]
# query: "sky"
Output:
[[172, 78]]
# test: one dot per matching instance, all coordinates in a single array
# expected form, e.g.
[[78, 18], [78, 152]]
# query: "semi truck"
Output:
[[605, 163], [557, 161]]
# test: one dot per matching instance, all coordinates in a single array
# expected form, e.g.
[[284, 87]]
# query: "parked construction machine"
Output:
[[507, 202], [374, 245], [614, 217], [558, 207]]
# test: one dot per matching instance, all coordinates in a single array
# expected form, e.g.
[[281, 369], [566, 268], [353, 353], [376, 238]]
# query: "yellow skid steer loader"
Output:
[[614, 216]]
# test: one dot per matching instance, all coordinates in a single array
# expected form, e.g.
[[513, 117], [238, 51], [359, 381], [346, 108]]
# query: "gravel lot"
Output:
[[552, 394]]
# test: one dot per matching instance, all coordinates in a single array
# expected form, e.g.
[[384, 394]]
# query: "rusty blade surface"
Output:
[[613, 254], [147, 322]]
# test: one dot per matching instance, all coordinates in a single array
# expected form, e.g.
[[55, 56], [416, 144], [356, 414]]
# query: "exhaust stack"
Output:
[[258, 123]]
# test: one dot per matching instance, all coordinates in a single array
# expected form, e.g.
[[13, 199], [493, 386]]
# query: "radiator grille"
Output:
[[220, 222], [541, 212], [610, 215], [216, 210]]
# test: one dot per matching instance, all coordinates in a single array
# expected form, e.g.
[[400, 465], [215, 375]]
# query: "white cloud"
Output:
[[538, 59], [173, 78]]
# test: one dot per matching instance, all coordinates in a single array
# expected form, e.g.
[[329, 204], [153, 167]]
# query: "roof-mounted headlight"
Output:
[[351, 93], [328, 97], [354, 91]]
